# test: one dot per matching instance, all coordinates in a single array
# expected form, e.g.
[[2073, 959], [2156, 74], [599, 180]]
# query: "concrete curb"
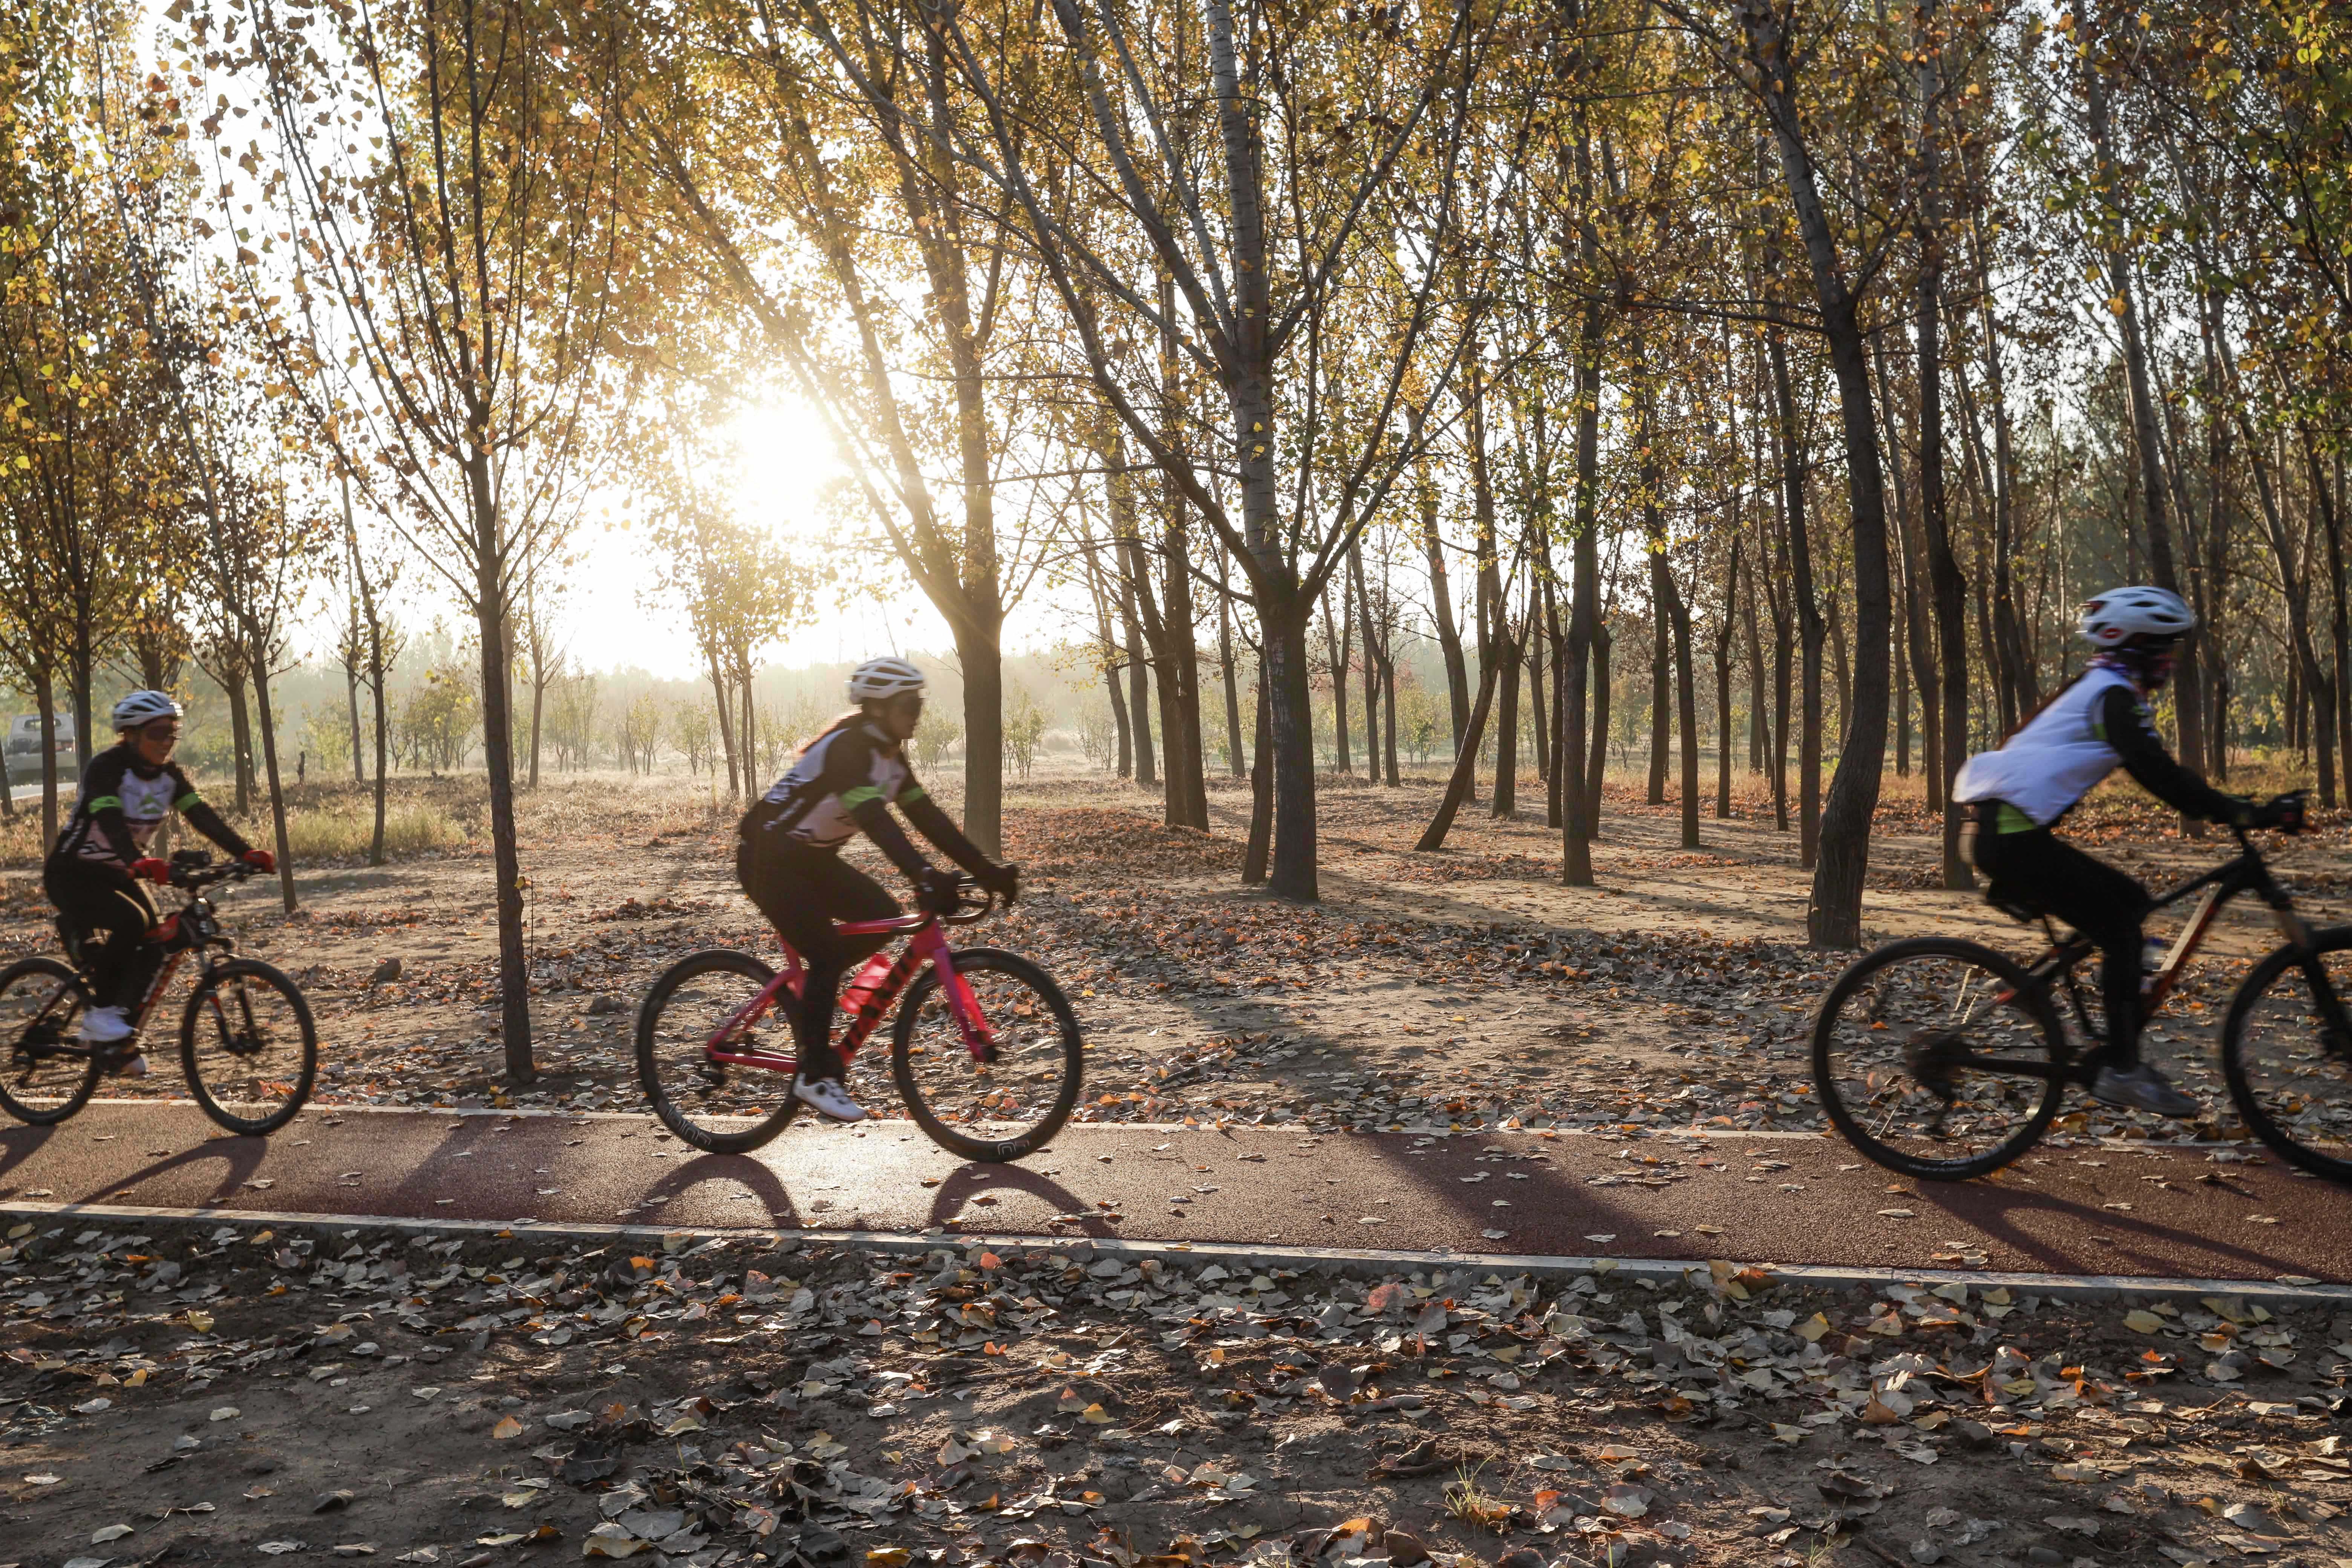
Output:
[[1323, 1260], [801, 1126]]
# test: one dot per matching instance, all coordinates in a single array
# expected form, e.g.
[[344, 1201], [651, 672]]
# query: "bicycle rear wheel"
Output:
[[1939, 1058], [2290, 1082], [1011, 1104], [47, 1076], [717, 1107], [248, 1047]]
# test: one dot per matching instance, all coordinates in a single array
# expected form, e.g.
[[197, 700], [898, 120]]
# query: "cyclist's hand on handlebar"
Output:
[[262, 861], [147, 868], [935, 893], [1004, 881]]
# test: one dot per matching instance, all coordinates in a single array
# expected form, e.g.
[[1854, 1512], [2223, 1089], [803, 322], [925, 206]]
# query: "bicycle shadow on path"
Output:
[[2081, 1236]]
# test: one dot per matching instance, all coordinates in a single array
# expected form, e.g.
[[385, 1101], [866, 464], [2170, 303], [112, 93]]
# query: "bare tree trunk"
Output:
[[1441, 599], [1835, 916], [45, 699], [1225, 657], [718, 696], [1375, 660], [1504, 657], [240, 739], [1339, 637], [1531, 646], [1458, 786], [351, 697], [1604, 691], [1119, 720], [269, 761], [1662, 661], [376, 673], [1139, 685], [1580, 805], [498, 757], [1758, 704], [1811, 631], [1724, 638], [2336, 694], [1258, 855]]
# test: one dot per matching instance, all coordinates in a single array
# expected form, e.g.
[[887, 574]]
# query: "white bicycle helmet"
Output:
[[878, 679], [2119, 615], [143, 708]]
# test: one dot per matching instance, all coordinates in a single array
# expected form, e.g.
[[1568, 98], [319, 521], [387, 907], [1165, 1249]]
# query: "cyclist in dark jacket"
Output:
[[98, 873], [788, 857]]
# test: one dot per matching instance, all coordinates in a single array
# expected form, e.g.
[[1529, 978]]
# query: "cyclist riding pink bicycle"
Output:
[[788, 857]]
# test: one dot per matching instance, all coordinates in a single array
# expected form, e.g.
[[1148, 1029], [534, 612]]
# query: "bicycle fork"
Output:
[[971, 1022]]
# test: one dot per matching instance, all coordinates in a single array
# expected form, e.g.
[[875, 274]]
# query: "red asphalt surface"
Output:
[[2172, 1212]]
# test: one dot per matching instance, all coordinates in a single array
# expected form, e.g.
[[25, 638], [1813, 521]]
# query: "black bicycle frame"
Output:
[[2246, 873]]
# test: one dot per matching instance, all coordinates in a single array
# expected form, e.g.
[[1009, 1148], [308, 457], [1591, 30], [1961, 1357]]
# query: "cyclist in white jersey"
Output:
[[788, 857], [2096, 723]]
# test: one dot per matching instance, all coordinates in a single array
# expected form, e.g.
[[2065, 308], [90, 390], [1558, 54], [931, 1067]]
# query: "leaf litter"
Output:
[[720, 1402]]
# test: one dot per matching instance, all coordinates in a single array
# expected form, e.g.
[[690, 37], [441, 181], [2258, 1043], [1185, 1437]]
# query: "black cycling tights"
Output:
[[2094, 898], [802, 892], [113, 912]]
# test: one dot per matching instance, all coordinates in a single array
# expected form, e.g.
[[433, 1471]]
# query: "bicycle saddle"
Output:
[[2014, 901]]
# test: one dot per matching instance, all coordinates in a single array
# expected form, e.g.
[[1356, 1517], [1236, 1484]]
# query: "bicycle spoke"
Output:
[[248, 1048], [45, 1073], [1002, 1100], [1933, 1061], [707, 1000]]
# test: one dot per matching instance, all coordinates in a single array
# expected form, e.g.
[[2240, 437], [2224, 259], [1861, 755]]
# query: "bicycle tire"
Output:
[[710, 1141], [2250, 1105], [278, 1107], [1852, 1127], [36, 1112], [1021, 973]]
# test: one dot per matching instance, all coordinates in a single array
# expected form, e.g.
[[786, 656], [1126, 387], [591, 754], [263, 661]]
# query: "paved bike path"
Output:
[[2102, 1210]]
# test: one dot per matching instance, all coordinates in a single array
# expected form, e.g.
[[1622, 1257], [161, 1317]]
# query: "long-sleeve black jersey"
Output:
[[123, 800], [845, 783]]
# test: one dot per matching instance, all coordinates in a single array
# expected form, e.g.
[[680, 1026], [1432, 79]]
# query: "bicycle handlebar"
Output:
[[192, 870], [966, 911]]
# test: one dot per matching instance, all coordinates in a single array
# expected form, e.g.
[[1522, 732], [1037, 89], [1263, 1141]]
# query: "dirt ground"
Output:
[[1462, 989], [216, 1395], [209, 1395]]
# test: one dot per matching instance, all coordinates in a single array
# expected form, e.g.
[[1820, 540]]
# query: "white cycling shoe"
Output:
[[2142, 1087], [828, 1098]]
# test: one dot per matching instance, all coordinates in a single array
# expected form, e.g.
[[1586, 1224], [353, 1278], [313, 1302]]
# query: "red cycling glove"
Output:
[[149, 869], [259, 859]]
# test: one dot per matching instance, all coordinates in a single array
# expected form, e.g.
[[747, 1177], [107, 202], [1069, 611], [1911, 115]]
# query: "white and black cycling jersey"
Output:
[[816, 803]]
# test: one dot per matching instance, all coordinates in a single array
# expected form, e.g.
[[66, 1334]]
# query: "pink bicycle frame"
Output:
[[928, 942]]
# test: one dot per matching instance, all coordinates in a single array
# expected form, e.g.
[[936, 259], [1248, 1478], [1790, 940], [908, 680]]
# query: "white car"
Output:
[[25, 735]]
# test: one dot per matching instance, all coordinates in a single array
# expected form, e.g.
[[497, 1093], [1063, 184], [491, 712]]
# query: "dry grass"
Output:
[[414, 827]]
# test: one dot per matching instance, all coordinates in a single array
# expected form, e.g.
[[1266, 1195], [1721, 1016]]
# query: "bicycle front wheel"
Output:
[[1939, 1058], [2291, 1082], [248, 1047], [719, 1108], [47, 1075], [1012, 1096]]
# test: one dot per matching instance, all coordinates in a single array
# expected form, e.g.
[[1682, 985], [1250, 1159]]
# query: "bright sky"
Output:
[[786, 461]]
